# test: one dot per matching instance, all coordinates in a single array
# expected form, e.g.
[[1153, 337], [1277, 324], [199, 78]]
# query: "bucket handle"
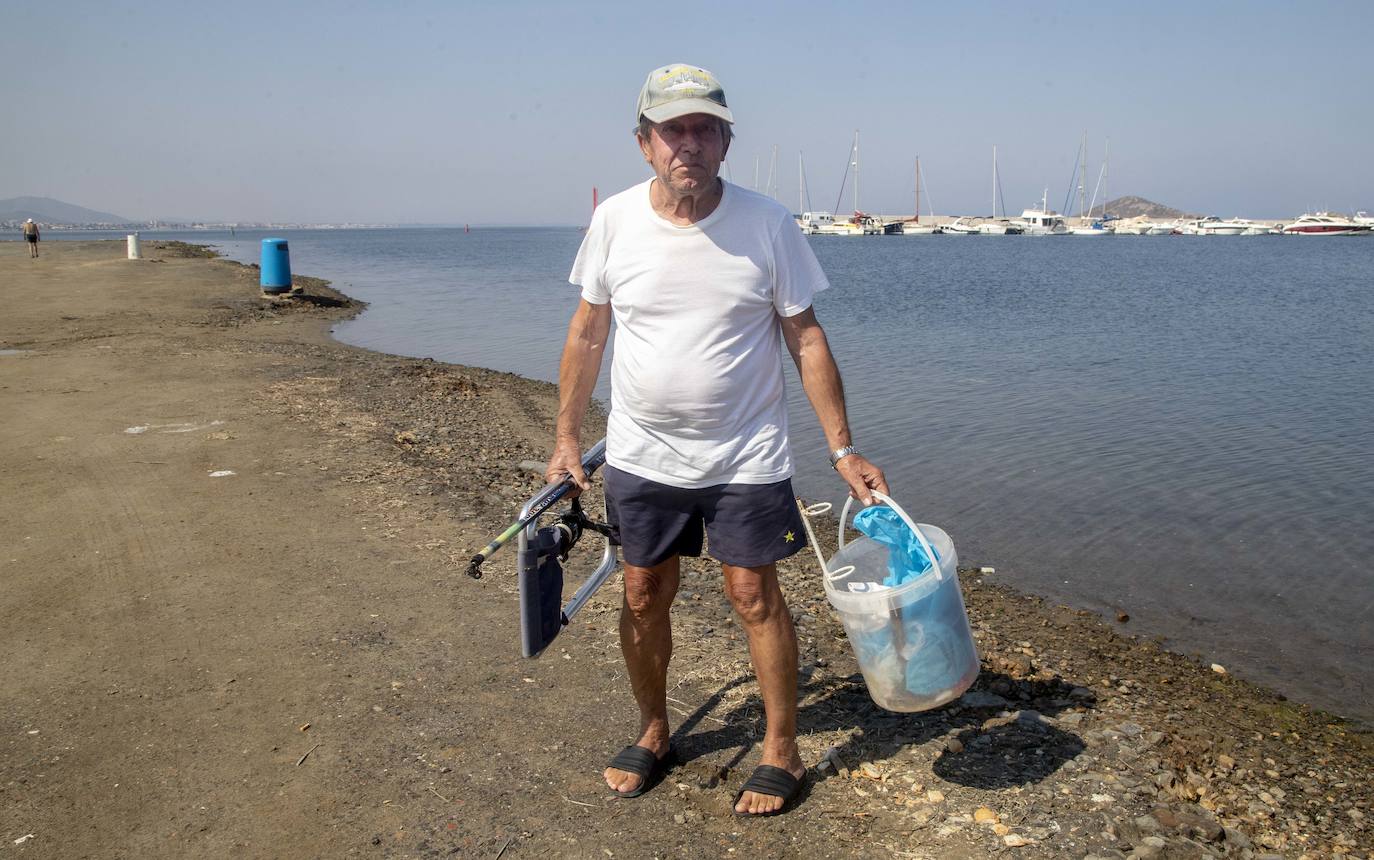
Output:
[[891, 503], [815, 510]]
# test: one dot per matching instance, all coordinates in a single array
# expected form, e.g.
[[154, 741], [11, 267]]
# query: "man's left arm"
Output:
[[821, 378]]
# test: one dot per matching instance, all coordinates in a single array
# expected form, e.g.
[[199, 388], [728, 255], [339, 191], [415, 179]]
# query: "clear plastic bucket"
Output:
[[912, 641]]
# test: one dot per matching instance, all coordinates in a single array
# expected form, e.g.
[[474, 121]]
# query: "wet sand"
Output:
[[287, 661]]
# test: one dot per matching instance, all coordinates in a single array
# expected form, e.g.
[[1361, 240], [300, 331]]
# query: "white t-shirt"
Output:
[[696, 378]]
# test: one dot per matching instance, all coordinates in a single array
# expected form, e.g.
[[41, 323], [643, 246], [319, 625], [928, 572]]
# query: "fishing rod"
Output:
[[545, 499]]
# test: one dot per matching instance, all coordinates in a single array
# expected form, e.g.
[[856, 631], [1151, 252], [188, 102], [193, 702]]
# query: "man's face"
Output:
[[686, 152]]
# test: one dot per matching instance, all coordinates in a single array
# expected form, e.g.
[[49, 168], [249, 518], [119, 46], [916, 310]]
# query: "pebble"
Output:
[[954, 745], [980, 699], [935, 796], [1219, 669], [983, 815], [1001, 829], [1015, 840]]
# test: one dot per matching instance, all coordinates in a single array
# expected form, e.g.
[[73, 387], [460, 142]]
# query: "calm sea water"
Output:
[[1179, 427]]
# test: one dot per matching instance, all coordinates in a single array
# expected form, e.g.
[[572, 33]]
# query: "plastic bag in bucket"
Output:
[[896, 590]]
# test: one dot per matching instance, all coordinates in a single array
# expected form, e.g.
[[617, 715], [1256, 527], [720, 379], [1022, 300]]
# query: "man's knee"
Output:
[[755, 598], [648, 593]]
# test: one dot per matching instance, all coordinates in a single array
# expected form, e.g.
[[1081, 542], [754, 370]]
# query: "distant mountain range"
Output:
[[50, 211], [1134, 207]]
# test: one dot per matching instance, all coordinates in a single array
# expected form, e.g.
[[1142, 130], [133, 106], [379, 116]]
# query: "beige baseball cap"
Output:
[[677, 90]]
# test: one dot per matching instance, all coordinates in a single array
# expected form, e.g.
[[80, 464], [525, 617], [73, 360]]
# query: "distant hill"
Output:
[[1132, 207], [50, 211]]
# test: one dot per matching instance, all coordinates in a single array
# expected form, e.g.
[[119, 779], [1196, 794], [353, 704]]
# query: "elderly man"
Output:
[[701, 277]]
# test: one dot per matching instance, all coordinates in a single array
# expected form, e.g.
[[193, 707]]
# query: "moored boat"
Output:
[[1096, 228], [1326, 224], [915, 228], [959, 227], [1043, 221], [812, 222], [1214, 226]]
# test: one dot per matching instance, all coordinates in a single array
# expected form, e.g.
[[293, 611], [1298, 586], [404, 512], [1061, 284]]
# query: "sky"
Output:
[[510, 113]]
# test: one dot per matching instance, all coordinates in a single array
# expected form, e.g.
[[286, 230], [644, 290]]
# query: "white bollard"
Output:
[[134, 252]]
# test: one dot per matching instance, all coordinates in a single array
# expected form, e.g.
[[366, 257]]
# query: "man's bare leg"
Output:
[[758, 601], [646, 640]]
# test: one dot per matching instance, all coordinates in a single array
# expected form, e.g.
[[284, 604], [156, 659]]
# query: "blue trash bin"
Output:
[[276, 266]]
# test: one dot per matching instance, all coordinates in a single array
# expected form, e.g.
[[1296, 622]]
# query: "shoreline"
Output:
[[428, 456]]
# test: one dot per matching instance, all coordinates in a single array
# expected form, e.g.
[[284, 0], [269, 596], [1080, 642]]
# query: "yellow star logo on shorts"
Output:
[[789, 537]]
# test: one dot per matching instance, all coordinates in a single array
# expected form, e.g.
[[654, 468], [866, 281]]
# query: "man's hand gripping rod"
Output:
[[547, 498]]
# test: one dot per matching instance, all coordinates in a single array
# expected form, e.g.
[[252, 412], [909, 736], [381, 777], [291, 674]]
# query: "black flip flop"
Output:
[[644, 764], [772, 781]]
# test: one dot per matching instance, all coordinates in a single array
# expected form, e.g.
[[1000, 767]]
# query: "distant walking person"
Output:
[[31, 236]]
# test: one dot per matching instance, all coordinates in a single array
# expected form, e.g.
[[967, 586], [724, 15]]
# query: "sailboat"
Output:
[[859, 224], [914, 227], [810, 221], [996, 227], [1093, 227]]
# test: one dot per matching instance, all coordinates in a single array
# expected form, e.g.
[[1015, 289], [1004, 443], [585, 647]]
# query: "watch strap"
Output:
[[840, 453]]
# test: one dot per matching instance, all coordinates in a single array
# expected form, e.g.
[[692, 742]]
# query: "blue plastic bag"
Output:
[[906, 560]]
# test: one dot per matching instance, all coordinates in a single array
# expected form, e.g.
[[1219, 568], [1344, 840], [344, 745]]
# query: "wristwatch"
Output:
[[839, 454]]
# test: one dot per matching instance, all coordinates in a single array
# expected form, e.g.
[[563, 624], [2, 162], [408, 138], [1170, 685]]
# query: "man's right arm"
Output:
[[577, 373]]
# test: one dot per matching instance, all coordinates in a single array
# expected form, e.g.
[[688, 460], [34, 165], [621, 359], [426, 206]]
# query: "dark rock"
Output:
[[980, 699]]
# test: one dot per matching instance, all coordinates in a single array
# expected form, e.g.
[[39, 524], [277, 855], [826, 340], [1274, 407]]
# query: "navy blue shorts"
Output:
[[748, 525]]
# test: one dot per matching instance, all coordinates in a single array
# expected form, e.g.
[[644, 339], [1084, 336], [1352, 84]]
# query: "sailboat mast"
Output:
[[1106, 160], [856, 170], [1083, 177], [801, 185], [994, 181], [918, 189]]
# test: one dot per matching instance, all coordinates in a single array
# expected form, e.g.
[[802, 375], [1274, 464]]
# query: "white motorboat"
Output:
[[1158, 228], [959, 227], [1131, 228], [1214, 226], [915, 228], [1043, 221], [1251, 228], [1327, 224]]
